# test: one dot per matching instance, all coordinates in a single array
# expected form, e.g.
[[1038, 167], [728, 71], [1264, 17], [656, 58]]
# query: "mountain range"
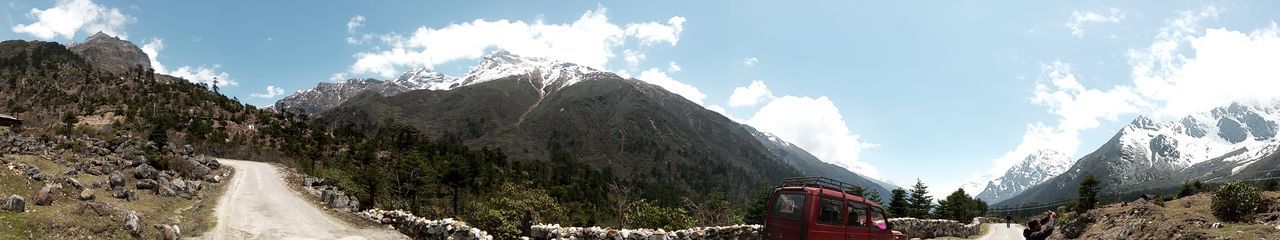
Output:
[[537, 108], [1234, 142]]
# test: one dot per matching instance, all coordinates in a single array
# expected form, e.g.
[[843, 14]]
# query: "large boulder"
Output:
[[119, 192], [15, 203], [188, 167], [132, 224], [144, 171], [116, 179], [44, 197], [340, 202]]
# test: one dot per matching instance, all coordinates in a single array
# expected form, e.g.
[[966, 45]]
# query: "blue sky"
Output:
[[945, 92]]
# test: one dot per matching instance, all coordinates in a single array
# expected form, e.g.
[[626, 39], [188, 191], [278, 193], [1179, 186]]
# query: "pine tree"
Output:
[[1088, 193], [956, 206], [898, 206], [920, 202]]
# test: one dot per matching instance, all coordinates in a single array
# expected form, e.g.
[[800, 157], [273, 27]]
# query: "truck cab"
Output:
[[819, 208]]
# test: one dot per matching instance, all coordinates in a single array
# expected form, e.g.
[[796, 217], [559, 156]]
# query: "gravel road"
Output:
[[258, 205]]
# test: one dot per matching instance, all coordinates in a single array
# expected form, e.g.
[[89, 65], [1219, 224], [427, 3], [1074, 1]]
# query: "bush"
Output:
[[643, 214], [1270, 185], [508, 212], [1236, 201]]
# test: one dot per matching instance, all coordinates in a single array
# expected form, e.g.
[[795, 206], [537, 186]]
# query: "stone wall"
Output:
[[422, 228], [934, 228]]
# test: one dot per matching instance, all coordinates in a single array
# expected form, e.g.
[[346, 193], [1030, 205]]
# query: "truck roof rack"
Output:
[[822, 182]]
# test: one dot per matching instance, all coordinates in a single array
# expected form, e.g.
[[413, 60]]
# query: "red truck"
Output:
[[819, 208]]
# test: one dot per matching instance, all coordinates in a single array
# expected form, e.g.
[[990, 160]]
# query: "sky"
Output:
[[945, 92]]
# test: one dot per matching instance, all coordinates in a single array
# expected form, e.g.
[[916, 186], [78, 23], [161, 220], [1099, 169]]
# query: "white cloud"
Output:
[[1080, 18], [653, 32], [724, 112], [591, 40], [750, 95], [271, 92], [750, 61], [1186, 69], [200, 74], [355, 23], [656, 76], [817, 126], [673, 67], [632, 57], [67, 17], [353, 35]]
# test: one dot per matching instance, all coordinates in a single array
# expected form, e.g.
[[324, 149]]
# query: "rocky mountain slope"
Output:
[[1231, 142], [538, 109], [1035, 169], [112, 54], [809, 165], [328, 95]]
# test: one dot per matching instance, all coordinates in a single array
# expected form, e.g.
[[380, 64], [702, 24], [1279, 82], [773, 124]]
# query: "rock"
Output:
[[187, 150], [38, 176], [44, 197], [169, 232], [132, 224], [86, 195], [96, 184], [131, 195], [146, 184], [355, 204], [144, 171], [166, 191], [71, 172], [179, 184], [213, 164], [212, 178], [32, 170], [188, 167], [340, 202], [74, 183], [119, 192], [15, 203], [116, 179], [1216, 225], [326, 197], [194, 186]]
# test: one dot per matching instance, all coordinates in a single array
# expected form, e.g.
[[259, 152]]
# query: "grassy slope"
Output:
[[1184, 218], [65, 219]]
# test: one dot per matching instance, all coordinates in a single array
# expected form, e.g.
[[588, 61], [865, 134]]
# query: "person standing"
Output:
[[1040, 229], [1008, 221]]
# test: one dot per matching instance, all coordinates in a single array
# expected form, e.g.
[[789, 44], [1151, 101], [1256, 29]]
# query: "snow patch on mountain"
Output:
[[547, 75]]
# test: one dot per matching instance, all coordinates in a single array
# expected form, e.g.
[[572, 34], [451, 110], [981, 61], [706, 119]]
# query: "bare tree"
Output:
[[621, 196]]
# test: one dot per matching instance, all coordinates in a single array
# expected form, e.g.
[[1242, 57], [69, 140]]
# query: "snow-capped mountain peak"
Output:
[[1037, 167], [546, 74], [425, 78]]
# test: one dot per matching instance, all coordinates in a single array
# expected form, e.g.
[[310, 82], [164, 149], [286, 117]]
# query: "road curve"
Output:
[[258, 205]]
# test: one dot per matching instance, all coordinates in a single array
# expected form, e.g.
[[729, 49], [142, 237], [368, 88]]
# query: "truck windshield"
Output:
[[788, 206], [878, 219]]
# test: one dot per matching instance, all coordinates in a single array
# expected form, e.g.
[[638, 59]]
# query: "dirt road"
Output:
[[1000, 232], [258, 205]]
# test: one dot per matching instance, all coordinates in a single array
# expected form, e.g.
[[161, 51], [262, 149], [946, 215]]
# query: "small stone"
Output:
[[74, 183], [86, 195], [1216, 225], [146, 184], [132, 224], [44, 197]]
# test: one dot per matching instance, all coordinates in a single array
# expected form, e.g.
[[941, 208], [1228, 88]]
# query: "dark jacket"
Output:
[[1046, 228]]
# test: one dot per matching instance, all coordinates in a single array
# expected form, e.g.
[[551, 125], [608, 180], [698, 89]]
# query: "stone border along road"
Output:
[[259, 205]]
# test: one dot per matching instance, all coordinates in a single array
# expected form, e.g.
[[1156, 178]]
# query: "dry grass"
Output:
[[1184, 218], [70, 218]]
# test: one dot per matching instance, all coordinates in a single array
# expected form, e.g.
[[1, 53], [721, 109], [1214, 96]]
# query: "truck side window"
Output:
[[857, 214], [831, 212], [878, 220], [788, 206]]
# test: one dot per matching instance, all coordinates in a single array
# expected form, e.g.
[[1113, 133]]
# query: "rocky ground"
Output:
[[76, 188], [1185, 218]]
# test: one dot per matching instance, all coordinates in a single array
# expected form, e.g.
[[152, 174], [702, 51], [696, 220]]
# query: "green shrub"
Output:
[[1270, 185], [643, 214], [508, 212], [1236, 201]]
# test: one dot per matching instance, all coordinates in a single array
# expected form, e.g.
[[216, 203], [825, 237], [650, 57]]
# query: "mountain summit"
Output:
[[1034, 169], [112, 54]]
